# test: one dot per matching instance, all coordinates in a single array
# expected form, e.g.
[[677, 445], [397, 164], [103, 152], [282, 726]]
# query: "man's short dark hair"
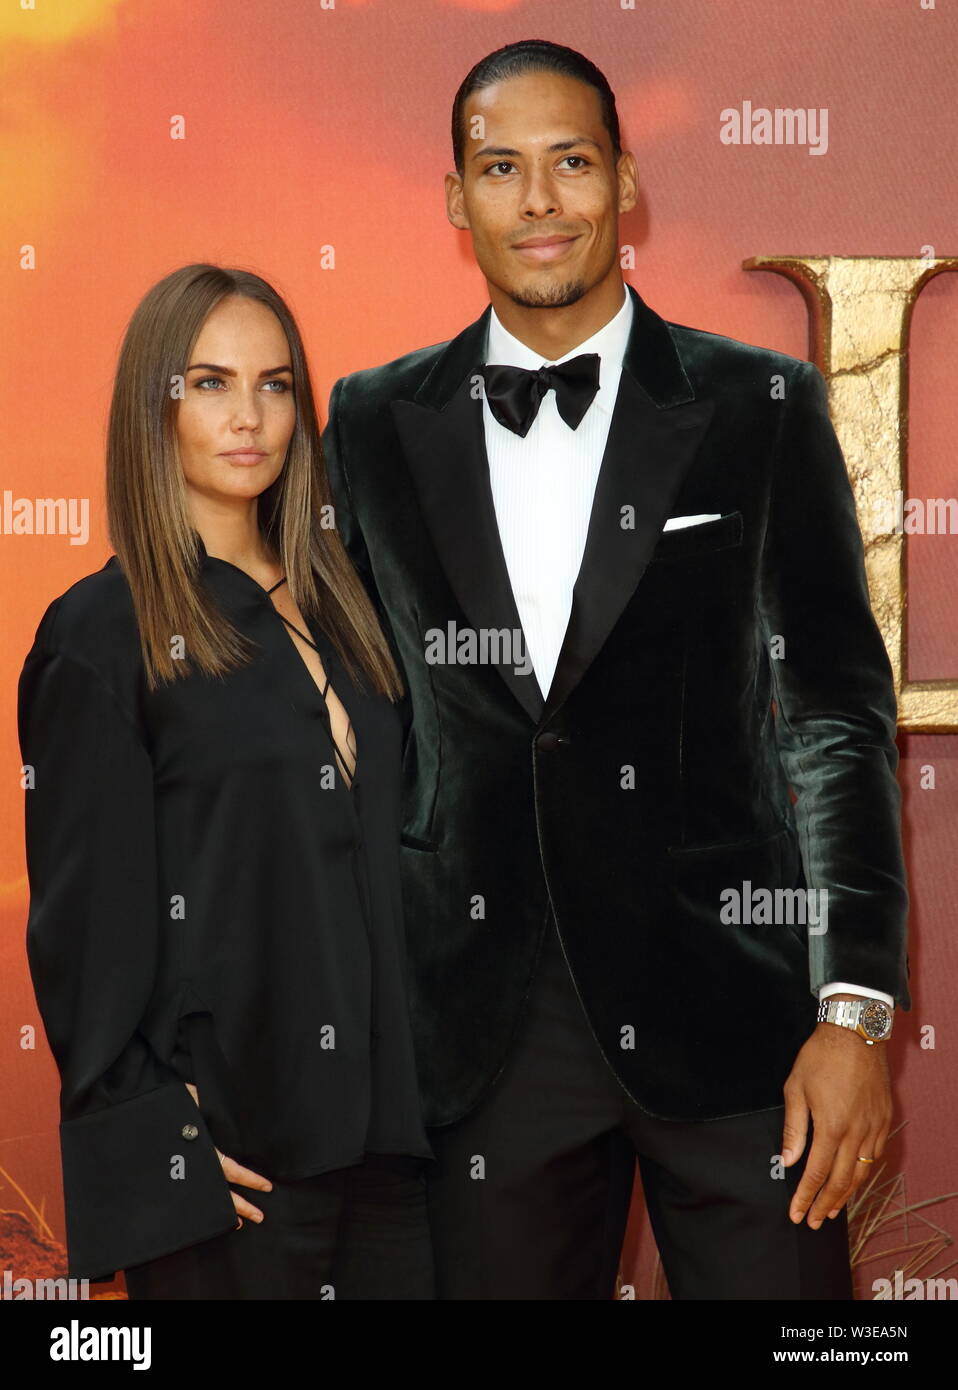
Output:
[[533, 55]]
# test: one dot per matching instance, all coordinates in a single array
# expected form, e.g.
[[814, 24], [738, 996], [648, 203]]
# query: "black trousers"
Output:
[[532, 1191], [355, 1233]]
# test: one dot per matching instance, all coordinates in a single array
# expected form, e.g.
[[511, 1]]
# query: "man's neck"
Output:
[[551, 333]]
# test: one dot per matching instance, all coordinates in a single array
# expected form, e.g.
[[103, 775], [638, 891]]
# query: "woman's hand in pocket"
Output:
[[245, 1177]]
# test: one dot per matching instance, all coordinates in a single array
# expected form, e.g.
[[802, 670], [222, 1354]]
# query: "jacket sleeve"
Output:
[[350, 533], [836, 711], [347, 524], [141, 1174]]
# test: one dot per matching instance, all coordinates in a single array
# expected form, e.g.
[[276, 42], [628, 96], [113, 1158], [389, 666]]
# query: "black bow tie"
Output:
[[515, 394]]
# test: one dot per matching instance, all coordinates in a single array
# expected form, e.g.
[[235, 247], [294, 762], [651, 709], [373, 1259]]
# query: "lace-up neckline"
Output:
[[349, 777]]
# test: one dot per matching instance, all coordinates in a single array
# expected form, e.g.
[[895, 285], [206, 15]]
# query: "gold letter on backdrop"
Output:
[[860, 311]]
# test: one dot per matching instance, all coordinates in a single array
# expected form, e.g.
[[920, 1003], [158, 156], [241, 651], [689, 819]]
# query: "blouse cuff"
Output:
[[141, 1178]]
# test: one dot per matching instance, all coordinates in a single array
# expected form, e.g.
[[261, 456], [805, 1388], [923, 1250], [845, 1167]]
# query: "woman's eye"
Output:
[[206, 381]]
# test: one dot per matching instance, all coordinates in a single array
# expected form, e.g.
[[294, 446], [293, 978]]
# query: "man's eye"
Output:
[[578, 161]]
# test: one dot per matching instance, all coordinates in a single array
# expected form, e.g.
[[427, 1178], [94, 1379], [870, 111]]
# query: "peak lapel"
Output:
[[442, 437], [657, 426]]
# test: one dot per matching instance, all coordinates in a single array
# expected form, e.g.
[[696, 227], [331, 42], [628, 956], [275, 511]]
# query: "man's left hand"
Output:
[[844, 1084]]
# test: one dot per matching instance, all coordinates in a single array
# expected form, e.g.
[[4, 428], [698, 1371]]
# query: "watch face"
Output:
[[876, 1019]]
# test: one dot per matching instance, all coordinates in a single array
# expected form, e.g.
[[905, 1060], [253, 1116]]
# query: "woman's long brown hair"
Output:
[[148, 516]]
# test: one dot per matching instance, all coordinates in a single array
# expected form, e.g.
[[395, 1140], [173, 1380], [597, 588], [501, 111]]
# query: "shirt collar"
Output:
[[610, 343], [230, 583]]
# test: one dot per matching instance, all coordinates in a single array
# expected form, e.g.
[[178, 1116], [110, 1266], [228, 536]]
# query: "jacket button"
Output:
[[547, 741], [189, 1131]]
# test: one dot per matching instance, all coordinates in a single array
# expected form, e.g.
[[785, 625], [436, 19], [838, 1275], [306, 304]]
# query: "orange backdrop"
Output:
[[316, 138]]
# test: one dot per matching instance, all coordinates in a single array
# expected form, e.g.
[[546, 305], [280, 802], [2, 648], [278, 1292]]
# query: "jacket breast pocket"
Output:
[[690, 542]]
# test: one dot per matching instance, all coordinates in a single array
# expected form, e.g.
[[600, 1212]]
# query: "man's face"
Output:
[[540, 190]]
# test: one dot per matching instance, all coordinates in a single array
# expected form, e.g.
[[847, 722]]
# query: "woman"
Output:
[[215, 932]]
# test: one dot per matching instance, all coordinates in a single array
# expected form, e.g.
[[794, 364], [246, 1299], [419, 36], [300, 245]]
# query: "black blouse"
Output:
[[211, 901]]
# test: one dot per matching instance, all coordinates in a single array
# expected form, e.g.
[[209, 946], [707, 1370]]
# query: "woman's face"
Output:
[[236, 418]]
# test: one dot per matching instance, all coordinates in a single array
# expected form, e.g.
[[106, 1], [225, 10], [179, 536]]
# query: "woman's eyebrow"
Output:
[[228, 371]]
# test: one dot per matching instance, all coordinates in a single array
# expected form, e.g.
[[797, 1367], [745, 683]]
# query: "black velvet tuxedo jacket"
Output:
[[723, 662]]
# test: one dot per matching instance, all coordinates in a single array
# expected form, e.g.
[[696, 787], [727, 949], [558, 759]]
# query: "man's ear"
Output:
[[628, 176], [455, 205]]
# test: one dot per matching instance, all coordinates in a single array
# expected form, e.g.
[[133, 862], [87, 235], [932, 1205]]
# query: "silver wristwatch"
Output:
[[870, 1018]]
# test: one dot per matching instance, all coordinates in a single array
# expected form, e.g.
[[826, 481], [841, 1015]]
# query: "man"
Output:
[[597, 812]]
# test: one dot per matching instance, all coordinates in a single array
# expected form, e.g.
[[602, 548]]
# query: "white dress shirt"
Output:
[[543, 487]]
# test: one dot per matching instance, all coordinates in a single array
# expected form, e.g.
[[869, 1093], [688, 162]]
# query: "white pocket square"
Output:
[[674, 522]]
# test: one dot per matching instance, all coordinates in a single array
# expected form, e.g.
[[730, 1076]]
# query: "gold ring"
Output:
[[865, 1160]]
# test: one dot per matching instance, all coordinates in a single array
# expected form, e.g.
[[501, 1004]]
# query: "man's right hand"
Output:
[[235, 1172]]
